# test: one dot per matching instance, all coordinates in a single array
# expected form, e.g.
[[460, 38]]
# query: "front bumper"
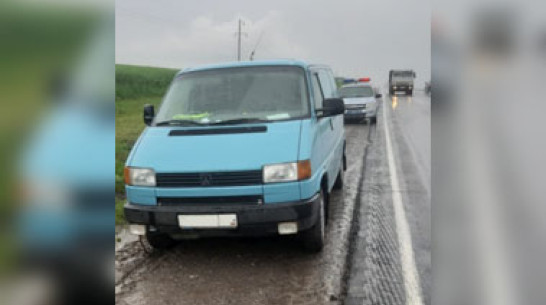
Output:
[[359, 114], [401, 88], [255, 220]]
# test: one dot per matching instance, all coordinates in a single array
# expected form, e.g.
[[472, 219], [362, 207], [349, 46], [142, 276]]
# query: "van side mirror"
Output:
[[378, 95], [149, 114], [414, 75], [331, 107]]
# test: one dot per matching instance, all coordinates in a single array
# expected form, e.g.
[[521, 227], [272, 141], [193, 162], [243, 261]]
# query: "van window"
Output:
[[328, 86], [317, 92], [266, 93], [333, 82]]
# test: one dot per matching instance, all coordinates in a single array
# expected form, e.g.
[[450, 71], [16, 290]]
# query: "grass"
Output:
[[134, 82], [135, 87]]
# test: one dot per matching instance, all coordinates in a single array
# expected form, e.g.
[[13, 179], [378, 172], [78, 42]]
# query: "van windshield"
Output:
[[236, 95], [349, 92]]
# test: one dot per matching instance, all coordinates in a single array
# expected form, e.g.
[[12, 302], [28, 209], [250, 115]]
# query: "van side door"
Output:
[[328, 127]]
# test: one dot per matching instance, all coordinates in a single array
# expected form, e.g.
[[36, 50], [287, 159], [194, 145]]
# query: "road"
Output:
[[391, 262], [365, 259]]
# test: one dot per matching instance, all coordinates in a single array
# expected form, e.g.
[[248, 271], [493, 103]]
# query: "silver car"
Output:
[[360, 101]]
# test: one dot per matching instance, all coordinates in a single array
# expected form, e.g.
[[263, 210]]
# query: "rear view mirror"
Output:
[[149, 114], [378, 95], [332, 107]]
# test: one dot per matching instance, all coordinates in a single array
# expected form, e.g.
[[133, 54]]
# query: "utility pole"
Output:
[[239, 41], [239, 34]]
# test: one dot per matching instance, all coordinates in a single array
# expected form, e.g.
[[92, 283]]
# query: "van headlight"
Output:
[[139, 176], [286, 172]]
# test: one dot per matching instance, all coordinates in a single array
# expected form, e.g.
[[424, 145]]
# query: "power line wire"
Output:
[[251, 57]]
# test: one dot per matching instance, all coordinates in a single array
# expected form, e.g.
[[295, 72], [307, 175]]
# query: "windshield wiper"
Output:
[[180, 123], [239, 121]]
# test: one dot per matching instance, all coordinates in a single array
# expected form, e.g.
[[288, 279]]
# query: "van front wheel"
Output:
[[313, 239], [159, 241]]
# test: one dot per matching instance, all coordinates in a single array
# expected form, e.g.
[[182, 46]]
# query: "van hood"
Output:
[[358, 100], [221, 148]]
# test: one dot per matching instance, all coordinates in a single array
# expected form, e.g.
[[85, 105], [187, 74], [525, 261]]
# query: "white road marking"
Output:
[[407, 259]]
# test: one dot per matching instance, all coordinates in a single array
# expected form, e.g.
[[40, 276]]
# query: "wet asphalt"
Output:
[[360, 263], [376, 275]]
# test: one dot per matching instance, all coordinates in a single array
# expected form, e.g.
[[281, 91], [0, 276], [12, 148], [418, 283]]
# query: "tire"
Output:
[[344, 160], [373, 120], [313, 238], [391, 91], [409, 92], [338, 185], [160, 241]]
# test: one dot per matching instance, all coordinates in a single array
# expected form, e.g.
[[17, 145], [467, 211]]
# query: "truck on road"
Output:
[[401, 80]]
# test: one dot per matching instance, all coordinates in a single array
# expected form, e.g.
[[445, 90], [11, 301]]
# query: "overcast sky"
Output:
[[355, 38]]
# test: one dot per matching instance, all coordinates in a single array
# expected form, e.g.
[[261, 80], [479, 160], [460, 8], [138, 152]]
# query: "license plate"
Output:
[[208, 221]]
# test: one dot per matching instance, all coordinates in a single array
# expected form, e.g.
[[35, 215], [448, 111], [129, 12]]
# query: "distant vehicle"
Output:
[[360, 101], [237, 149], [401, 80]]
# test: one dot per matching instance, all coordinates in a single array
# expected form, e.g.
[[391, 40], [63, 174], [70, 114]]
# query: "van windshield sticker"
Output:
[[278, 116], [193, 116]]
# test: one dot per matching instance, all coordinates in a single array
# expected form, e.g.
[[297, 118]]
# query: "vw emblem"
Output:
[[206, 179]]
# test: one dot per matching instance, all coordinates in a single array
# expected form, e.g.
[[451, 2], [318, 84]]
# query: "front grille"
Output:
[[210, 179], [200, 201]]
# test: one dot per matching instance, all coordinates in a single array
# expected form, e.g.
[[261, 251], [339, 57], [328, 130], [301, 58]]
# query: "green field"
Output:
[[135, 87]]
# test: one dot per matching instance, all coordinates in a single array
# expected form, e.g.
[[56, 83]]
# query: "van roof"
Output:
[[275, 62]]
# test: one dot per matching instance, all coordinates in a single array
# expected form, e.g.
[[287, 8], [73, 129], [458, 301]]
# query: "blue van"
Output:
[[238, 149]]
